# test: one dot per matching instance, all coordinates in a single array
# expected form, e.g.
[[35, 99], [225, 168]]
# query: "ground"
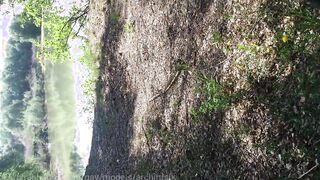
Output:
[[223, 89]]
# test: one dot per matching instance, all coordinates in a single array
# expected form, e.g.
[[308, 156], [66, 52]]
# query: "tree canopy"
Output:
[[16, 86], [58, 26]]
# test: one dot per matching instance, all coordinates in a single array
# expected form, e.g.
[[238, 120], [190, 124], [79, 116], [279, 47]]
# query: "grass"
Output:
[[215, 99], [129, 28], [215, 96], [217, 37], [115, 16], [182, 67]]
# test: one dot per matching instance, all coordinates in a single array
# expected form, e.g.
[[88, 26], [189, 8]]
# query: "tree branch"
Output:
[[304, 174]]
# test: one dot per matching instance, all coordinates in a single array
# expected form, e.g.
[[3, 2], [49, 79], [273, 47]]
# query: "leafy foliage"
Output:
[[24, 171], [215, 98], [76, 163], [58, 28], [17, 67], [24, 31], [10, 160], [22, 98]]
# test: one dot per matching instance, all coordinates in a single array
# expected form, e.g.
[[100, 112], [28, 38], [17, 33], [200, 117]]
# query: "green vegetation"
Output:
[[18, 60], [58, 28], [182, 67], [24, 132], [25, 171], [215, 98], [22, 103], [92, 65], [258, 112], [115, 16], [289, 93], [263, 115], [129, 28], [293, 98], [24, 31], [217, 38], [16, 84], [76, 164], [11, 159]]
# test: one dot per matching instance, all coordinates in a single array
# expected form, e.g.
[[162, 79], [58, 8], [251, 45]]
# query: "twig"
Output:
[[167, 87], [315, 143], [73, 19], [304, 174]]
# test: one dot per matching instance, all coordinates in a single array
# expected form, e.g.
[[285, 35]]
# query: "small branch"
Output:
[[304, 174], [167, 87], [73, 19], [69, 34], [82, 24], [315, 143]]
